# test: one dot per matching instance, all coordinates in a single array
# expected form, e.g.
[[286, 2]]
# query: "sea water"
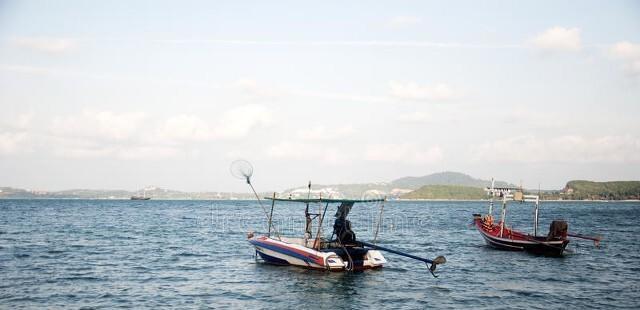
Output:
[[194, 254]]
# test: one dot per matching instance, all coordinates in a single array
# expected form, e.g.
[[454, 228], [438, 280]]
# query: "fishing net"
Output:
[[242, 169]]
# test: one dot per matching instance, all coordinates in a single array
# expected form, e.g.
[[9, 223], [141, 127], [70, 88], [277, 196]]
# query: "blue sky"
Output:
[[125, 94]]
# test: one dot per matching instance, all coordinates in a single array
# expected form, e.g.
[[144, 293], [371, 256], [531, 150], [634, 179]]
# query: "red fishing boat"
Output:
[[500, 236]]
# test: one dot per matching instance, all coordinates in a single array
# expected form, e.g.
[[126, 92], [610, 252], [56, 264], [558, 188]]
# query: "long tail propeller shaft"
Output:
[[596, 239], [432, 264]]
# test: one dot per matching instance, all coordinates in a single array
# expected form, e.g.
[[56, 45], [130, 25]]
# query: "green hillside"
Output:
[[446, 192], [617, 190], [445, 178]]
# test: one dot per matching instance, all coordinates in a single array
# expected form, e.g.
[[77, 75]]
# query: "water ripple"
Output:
[[188, 254]]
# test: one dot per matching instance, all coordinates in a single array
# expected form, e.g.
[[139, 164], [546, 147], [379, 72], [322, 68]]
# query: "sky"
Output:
[[128, 94]]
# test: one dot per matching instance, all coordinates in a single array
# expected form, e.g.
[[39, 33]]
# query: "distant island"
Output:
[[574, 190], [439, 186], [615, 190], [449, 192]]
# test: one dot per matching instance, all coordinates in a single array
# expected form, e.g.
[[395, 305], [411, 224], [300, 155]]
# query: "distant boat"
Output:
[[140, 198], [143, 197]]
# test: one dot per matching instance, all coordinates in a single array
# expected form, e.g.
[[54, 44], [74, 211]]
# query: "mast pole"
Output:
[[320, 222], [535, 220], [307, 217], [273, 202], [504, 213], [491, 201], [375, 236], [316, 242]]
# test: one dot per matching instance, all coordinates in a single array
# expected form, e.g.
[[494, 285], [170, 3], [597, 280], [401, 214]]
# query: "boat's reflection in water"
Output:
[[320, 288]]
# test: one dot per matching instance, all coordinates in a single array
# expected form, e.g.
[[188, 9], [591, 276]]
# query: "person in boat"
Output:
[[487, 221], [342, 226]]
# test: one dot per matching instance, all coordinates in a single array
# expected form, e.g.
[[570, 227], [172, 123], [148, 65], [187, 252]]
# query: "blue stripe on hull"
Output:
[[273, 260], [282, 251]]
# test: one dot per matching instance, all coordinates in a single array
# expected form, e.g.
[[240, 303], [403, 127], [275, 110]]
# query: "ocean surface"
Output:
[[193, 254]]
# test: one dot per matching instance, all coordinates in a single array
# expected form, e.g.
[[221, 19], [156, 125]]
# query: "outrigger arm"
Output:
[[431, 263]]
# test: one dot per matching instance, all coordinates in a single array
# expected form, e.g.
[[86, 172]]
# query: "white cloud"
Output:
[[565, 149], [134, 136], [14, 133], [12, 142], [407, 153], [415, 117], [99, 124], [17, 122], [232, 124], [403, 21], [85, 149], [306, 151], [138, 127], [322, 133], [415, 91], [558, 39], [47, 45], [184, 128], [147, 152], [240, 121], [341, 96], [629, 53], [253, 88]]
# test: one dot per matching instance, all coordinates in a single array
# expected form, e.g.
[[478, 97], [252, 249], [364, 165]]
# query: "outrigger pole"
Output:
[[431, 263], [242, 169]]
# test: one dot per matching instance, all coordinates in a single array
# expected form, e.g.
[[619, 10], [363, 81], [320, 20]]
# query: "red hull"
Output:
[[518, 241]]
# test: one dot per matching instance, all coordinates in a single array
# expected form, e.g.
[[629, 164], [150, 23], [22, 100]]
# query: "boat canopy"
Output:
[[325, 200]]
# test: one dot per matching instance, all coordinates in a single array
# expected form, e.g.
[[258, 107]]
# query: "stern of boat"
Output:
[[290, 251], [373, 259]]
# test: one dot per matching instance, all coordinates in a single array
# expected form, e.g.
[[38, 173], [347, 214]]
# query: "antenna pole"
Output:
[[504, 214], [535, 220], [273, 202], [491, 201], [317, 243], [307, 217], [375, 236]]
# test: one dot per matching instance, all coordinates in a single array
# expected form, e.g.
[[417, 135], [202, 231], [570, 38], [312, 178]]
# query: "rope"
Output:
[[350, 268]]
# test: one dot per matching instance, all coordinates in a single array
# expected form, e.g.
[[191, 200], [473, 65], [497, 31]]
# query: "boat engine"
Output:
[[342, 226], [558, 230], [342, 229]]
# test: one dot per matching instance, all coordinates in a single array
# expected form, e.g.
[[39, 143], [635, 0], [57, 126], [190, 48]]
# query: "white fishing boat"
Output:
[[342, 251]]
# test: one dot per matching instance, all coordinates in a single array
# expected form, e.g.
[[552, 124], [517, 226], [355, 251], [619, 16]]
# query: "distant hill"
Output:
[[445, 178], [446, 192], [393, 189], [616, 190]]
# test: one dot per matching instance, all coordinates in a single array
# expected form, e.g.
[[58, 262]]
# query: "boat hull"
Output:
[[277, 252], [140, 198], [510, 240]]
